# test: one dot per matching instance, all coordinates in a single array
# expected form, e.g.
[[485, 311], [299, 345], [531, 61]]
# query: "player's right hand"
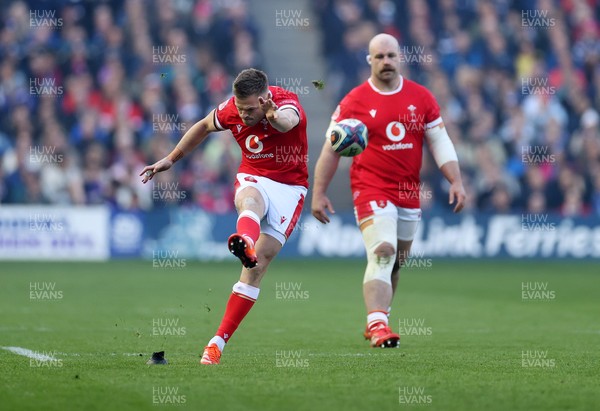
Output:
[[149, 171], [320, 203]]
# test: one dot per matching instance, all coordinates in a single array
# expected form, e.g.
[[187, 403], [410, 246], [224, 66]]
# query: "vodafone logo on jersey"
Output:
[[253, 144], [395, 131]]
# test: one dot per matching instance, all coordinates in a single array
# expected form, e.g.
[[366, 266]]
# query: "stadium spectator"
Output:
[[111, 96]]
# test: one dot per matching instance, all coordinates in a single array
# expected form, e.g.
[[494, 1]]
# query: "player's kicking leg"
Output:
[[244, 294], [251, 207], [278, 206]]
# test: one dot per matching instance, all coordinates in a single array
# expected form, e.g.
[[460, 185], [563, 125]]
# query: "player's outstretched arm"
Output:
[[325, 169], [194, 136], [281, 120]]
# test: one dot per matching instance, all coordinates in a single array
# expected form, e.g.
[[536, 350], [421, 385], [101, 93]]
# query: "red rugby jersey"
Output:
[[267, 152], [389, 167]]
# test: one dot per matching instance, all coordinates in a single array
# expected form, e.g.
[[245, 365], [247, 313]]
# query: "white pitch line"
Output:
[[31, 354]]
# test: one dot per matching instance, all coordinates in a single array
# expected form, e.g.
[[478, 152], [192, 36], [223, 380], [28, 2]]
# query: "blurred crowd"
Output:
[[518, 83], [90, 92]]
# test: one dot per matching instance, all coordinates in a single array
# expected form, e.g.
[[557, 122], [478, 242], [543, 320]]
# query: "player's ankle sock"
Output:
[[240, 302], [248, 223], [219, 341], [375, 317]]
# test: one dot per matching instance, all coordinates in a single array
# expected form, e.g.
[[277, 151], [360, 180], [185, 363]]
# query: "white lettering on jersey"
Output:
[[253, 144], [397, 146], [373, 112]]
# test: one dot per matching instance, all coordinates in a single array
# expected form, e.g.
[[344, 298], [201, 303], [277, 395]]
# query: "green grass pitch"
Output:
[[475, 343]]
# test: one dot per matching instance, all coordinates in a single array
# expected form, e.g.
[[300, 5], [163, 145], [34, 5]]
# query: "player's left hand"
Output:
[[457, 192], [149, 171], [269, 108]]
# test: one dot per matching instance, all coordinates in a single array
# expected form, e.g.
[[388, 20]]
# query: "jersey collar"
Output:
[[386, 93]]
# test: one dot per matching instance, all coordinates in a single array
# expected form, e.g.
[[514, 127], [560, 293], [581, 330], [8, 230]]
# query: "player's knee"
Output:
[[249, 198], [247, 202], [380, 262], [384, 250], [379, 239]]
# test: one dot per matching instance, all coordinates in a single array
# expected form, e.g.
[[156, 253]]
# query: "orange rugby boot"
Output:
[[242, 247], [367, 333], [383, 336], [211, 355]]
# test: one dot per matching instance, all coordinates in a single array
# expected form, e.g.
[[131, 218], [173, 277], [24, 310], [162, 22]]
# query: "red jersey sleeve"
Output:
[[432, 109], [286, 100], [223, 114]]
